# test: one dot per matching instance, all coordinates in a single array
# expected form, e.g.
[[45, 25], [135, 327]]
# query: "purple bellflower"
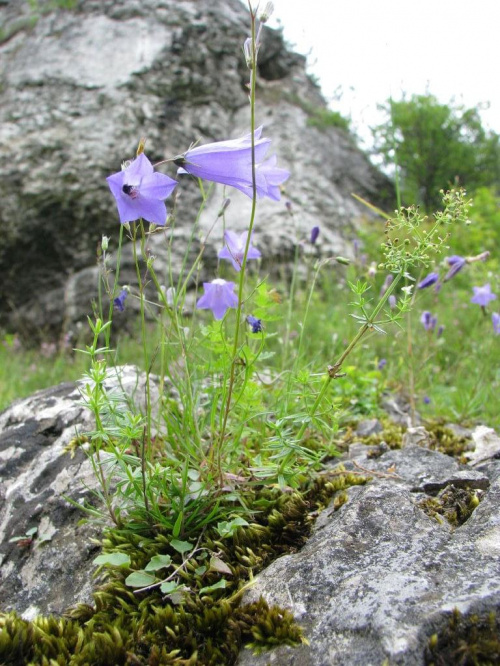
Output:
[[119, 301], [381, 364], [495, 318], [230, 163], [483, 295], [234, 250], [140, 191], [314, 235], [428, 321], [456, 263], [392, 301], [219, 296], [255, 324], [429, 280]]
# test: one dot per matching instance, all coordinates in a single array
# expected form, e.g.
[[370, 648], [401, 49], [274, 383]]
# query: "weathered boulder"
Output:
[[375, 581], [52, 570], [379, 576], [78, 89]]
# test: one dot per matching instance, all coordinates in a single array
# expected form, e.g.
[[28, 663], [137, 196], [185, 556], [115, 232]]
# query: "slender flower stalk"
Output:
[[334, 370], [226, 410]]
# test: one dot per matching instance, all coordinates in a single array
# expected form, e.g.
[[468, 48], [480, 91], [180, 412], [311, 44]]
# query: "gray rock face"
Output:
[[78, 89], [37, 473], [379, 576]]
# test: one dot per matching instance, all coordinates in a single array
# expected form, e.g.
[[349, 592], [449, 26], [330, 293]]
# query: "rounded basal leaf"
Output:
[[168, 587], [140, 579], [181, 546], [113, 559], [158, 562], [212, 588]]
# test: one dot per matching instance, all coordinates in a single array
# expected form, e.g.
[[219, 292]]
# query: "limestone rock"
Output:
[[379, 577], [80, 87], [37, 474]]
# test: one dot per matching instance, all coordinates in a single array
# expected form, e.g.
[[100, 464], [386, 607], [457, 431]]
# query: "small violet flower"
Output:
[[495, 318], [382, 363], [230, 163], [314, 235], [429, 280], [483, 295], [234, 249], [119, 301], [427, 400], [428, 321], [392, 301], [255, 324], [219, 296], [456, 264], [140, 191]]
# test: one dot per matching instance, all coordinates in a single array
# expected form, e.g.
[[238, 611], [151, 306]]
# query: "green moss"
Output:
[[124, 626], [467, 640], [454, 504], [445, 441], [392, 435]]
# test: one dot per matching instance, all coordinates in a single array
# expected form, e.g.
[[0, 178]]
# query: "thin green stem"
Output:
[[333, 371]]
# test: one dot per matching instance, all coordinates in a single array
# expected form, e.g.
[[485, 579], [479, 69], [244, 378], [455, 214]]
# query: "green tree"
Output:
[[435, 146]]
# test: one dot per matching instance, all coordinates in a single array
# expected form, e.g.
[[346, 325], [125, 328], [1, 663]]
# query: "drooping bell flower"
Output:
[[495, 320], [429, 322], [234, 250], [483, 295], [219, 296], [255, 324], [230, 163], [140, 191], [456, 263], [429, 280], [119, 301]]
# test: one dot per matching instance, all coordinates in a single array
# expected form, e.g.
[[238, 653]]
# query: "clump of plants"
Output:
[[223, 472]]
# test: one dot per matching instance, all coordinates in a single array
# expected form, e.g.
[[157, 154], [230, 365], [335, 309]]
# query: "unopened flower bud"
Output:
[[248, 51], [224, 206], [268, 10], [342, 260], [104, 243], [314, 235]]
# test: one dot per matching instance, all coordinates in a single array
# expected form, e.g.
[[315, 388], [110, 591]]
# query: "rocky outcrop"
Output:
[[381, 576], [49, 567], [80, 86], [377, 579]]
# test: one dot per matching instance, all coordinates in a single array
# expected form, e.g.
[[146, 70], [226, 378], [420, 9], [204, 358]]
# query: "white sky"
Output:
[[373, 49]]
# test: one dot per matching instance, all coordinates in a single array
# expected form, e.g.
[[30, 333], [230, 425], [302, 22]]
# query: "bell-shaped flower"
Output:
[[140, 191], [255, 324], [495, 319], [483, 295], [119, 301], [234, 250], [429, 322], [429, 280], [230, 163], [456, 263], [219, 296]]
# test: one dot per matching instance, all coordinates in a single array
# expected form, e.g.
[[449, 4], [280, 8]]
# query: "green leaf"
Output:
[[200, 570], [181, 546], [158, 562], [216, 586], [177, 526], [32, 531], [168, 587], [114, 559], [140, 579]]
